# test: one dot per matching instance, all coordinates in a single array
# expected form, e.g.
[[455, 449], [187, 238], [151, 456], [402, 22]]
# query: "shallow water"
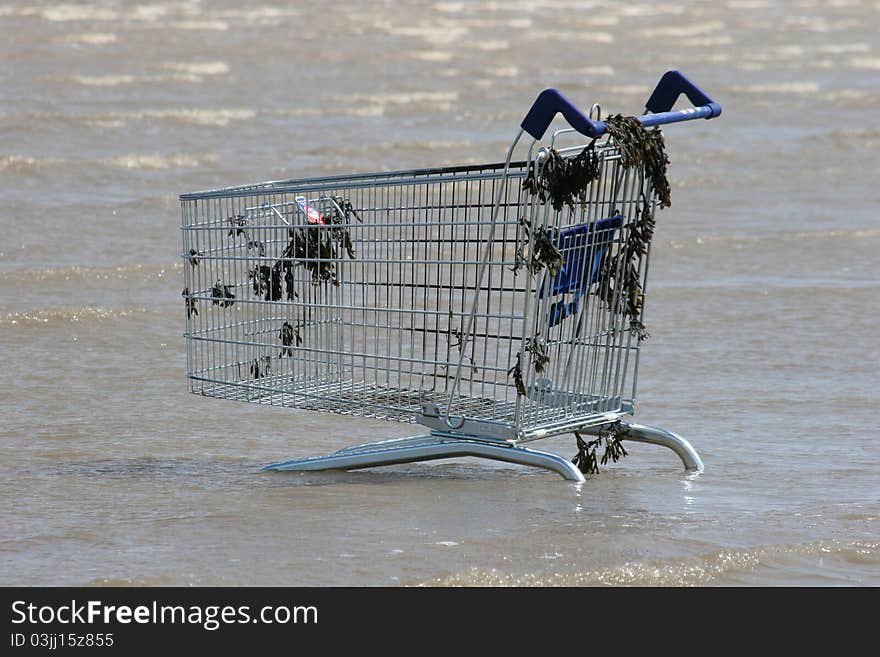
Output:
[[761, 306]]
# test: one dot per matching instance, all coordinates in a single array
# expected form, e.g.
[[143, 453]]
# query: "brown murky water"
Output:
[[762, 304]]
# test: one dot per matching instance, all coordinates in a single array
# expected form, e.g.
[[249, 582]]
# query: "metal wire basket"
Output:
[[421, 296]]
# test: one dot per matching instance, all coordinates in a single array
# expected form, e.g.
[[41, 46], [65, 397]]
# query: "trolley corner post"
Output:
[[416, 296]]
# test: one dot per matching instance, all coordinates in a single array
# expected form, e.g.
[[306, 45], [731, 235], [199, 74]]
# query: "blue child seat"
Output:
[[582, 246]]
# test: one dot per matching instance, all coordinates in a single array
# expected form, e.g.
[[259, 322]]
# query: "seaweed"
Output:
[[290, 336], [289, 284], [274, 292], [272, 282], [261, 367], [194, 257], [537, 349], [642, 147], [619, 282], [517, 374], [563, 181], [585, 459], [238, 222], [543, 253], [260, 276], [611, 436], [317, 242], [190, 303], [222, 295], [339, 220], [313, 248]]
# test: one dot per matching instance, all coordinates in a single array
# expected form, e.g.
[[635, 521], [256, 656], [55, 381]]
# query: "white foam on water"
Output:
[[106, 124], [603, 70], [198, 68], [108, 80], [436, 35], [490, 45], [70, 12], [294, 112], [432, 55], [449, 7], [208, 25], [740, 5], [153, 161], [794, 88], [706, 570], [790, 51], [570, 35], [654, 9], [149, 13], [503, 71], [378, 104], [92, 38], [787, 236], [115, 80], [141, 161], [871, 63], [258, 14], [707, 42], [206, 117], [695, 29], [534, 6], [46, 316], [427, 145], [362, 110], [844, 48], [433, 98], [597, 21], [137, 271], [24, 163], [853, 95]]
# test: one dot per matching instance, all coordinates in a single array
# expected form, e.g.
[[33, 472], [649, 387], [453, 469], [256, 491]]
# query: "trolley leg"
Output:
[[641, 433], [427, 448], [644, 434]]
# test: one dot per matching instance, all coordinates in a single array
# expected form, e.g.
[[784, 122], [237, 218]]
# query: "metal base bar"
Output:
[[427, 448], [434, 446], [641, 433]]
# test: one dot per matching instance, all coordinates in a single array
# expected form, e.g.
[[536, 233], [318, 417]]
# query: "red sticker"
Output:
[[312, 214]]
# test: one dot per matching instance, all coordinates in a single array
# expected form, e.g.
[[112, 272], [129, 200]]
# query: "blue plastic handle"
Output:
[[550, 102]]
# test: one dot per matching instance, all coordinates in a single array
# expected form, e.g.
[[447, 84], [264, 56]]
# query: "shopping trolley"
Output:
[[423, 296]]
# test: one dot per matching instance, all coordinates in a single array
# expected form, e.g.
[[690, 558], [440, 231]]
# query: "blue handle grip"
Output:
[[550, 102]]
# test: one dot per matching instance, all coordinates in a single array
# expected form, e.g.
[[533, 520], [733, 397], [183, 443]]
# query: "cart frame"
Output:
[[349, 366]]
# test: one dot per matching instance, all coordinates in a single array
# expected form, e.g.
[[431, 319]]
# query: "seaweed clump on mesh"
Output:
[[642, 147], [586, 460], [543, 252], [562, 180], [315, 247], [619, 280]]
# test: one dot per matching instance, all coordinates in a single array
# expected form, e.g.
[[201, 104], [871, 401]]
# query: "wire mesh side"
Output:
[[591, 353], [378, 335], [361, 309]]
